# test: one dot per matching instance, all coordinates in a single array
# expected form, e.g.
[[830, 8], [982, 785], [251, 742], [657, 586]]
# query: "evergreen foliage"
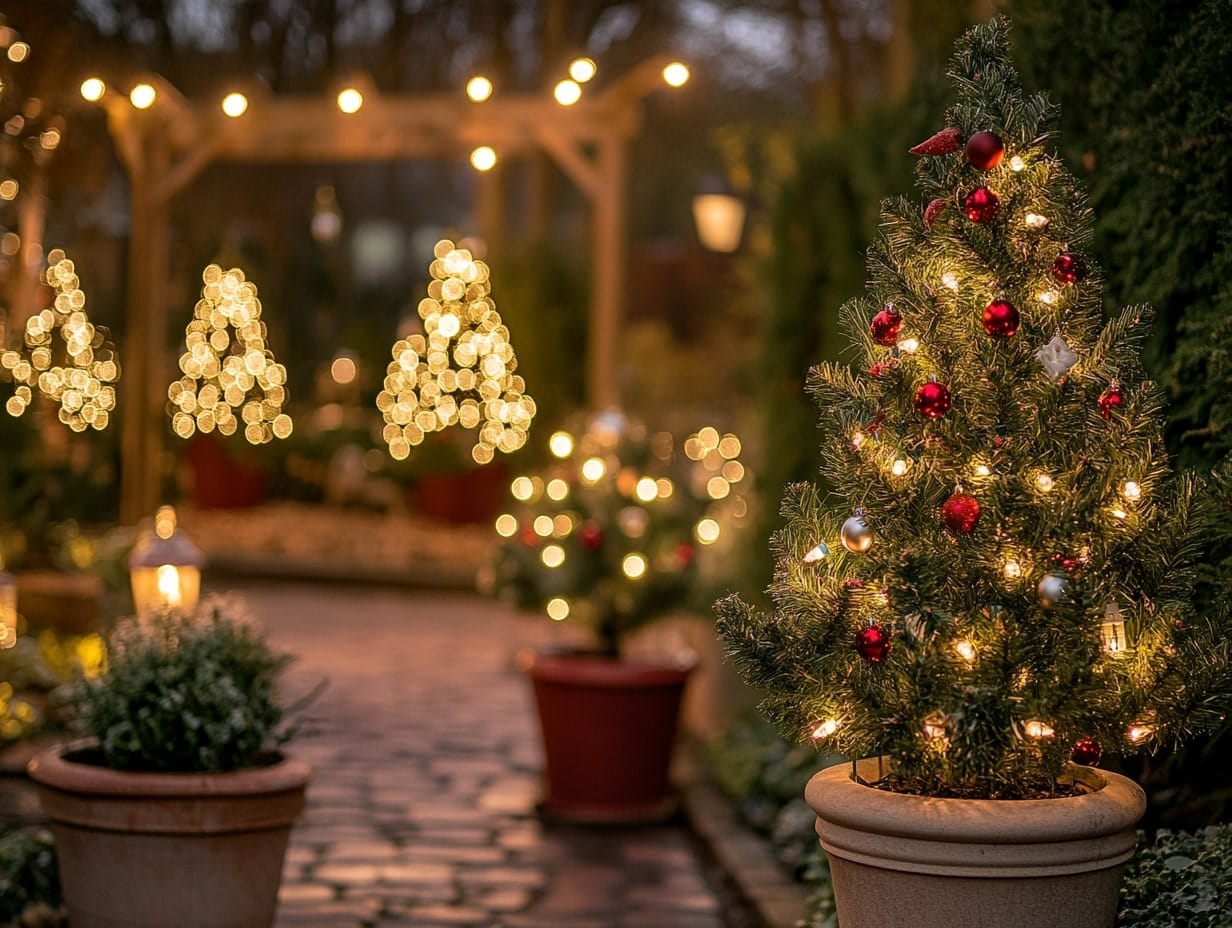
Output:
[[987, 684], [1143, 86]]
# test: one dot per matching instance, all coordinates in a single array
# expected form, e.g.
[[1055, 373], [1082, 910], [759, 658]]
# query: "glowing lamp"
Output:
[[483, 158], [8, 610], [719, 214], [478, 88], [567, 92], [165, 569], [965, 649], [676, 74], [350, 100], [234, 105], [582, 69], [561, 444]]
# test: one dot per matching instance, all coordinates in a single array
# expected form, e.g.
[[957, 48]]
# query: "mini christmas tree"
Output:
[[1001, 579]]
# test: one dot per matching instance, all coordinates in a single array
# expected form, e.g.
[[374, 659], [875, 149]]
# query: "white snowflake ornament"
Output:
[[1057, 357]]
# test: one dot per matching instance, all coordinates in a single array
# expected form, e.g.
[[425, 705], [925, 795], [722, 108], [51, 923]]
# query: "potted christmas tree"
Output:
[[998, 590], [607, 538], [177, 807]]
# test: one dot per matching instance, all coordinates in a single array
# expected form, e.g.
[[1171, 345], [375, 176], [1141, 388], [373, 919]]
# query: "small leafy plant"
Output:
[[1180, 880], [29, 880], [184, 694]]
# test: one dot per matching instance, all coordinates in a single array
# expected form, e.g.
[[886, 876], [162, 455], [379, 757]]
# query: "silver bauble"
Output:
[[856, 536], [1052, 590]]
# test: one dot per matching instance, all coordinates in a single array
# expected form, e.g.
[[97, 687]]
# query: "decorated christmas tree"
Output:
[[1001, 580]]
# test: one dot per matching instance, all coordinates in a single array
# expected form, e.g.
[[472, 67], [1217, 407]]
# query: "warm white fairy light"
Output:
[[92, 89], [965, 649], [908, 345], [562, 525], [506, 525], [567, 92], [561, 444], [1017, 164], [522, 488], [981, 469], [717, 488], [949, 280], [552, 556], [1131, 490], [1139, 732], [676, 74], [582, 69], [64, 356], [227, 367], [142, 96], [646, 489], [899, 467], [707, 531], [593, 470], [1035, 221], [350, 100], [558, 609], [1118, 513], [478, 88], [1049, 297], [665, 488], [234, 105], [1034, 728], [483, 158], [437, 380], [1011, 569], [825, 728], [543, 526], [557, 489], [857, 439], [1044, 483], [634, 566]]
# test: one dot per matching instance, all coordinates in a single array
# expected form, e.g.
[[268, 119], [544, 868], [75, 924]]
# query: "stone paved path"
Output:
[[427, 757]]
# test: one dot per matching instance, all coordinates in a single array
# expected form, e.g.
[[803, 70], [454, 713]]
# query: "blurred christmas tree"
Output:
[[1002, 578]]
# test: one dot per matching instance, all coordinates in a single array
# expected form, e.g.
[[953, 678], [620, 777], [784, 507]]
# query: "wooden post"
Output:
[[608, 268]]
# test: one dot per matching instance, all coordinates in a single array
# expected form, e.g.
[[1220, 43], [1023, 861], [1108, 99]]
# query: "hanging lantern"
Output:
[[1112, 631], [719, 216], [165, 569]]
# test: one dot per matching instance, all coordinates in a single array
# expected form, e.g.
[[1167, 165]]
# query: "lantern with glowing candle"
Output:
[[1112, 631], [165, 569]]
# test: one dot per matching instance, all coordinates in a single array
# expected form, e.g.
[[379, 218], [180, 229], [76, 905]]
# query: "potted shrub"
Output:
[[607, 538], [999, 587], [177, 806]]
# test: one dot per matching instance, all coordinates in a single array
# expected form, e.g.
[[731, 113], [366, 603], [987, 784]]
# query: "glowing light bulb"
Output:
[[1017, 164], [1011, 569], [1131, 490], [707, 531], [552, 556], [908, 345], [1044, 483], [1119, 513], [634, 566], [1139, 732], [342, 370], [544, 526], [1034, 728], [949, 280], [965, 649], [593, 470], [558, 609], [522, 488], [857, 440], [92, 89], [235, 105], [142, 96], [666, 488], [582, 69], [982, 470], [1049, 297], [557, 489], [825, 729], [1035, 221], [478, 88], [676, 74], [646, 489], [899, 467], [483, 158], [561, 444], [506, 525], [567, 92], [350, 100], [169, 586]]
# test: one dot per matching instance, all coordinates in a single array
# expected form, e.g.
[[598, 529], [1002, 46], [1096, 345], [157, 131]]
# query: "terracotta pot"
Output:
[[608, 730], [151, 850], [968, 863]]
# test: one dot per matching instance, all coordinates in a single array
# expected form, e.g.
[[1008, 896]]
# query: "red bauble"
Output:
[[873, 644], [1087, 751], [885, 327], [591, 536], [1110, 399], [939, 143], [1001, 319], [981, 205], [932, 211], [685, 554], [1068, 268], [528, 537], [932, 399], [985, 150], [960, 513]]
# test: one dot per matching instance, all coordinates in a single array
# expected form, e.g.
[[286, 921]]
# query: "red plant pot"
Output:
[[608, 730]]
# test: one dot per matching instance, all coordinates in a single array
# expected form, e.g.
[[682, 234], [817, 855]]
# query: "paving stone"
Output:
[[295, 893]]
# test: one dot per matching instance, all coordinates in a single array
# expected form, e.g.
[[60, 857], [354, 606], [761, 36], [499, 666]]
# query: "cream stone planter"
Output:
[[155, 850], [900, 861]]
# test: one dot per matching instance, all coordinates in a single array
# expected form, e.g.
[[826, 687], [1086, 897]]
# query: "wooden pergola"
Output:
[[163, 148]]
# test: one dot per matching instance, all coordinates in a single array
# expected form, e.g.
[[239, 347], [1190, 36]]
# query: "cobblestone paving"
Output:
[[426, 754]]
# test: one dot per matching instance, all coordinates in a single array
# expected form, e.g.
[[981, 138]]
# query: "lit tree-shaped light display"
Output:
[[1002, 579], [460, 370], [609, 534], [228, 368], [65, 357]]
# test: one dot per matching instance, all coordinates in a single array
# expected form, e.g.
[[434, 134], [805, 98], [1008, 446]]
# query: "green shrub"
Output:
[[1180, 880], [28, 875], [184, 694]]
